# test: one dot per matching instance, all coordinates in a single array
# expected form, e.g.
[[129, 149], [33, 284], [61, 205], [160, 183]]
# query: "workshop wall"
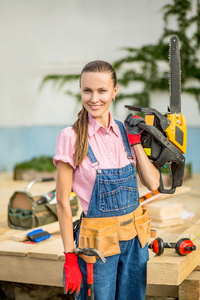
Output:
[[58, 37]]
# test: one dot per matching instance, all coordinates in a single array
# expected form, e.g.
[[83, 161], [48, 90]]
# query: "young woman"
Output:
[[97, 158]]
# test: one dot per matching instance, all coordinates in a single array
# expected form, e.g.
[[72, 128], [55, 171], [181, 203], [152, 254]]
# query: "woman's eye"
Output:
[[102, 91], [86, 90]]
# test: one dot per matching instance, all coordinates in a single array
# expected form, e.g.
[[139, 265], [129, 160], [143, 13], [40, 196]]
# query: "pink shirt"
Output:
[[108, 148]]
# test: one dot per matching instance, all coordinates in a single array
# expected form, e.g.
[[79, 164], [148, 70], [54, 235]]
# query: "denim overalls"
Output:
[[115, 193]]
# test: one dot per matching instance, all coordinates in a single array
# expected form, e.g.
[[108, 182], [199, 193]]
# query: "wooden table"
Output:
[[42, 263]]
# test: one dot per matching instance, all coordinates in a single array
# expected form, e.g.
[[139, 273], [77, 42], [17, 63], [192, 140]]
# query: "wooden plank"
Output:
[[160, 197], [162, 290], [197, 268], [174, 268], [6, 233], [22, 236], [166, 223], [190, 288], [51, 248], [9, 247], [31, 270]]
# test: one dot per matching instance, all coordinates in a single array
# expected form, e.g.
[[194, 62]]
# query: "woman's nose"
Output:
[[94, 98]]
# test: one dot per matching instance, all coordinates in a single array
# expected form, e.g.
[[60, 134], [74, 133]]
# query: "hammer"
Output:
[[90, 282]]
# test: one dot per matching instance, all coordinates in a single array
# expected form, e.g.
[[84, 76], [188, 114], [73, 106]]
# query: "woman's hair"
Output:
[[81, 124]]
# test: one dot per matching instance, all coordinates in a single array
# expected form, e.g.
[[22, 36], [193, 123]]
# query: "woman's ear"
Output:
[[115, 91]]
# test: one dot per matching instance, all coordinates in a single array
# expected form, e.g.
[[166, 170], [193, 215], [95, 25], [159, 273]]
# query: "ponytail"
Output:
[[81, 130]]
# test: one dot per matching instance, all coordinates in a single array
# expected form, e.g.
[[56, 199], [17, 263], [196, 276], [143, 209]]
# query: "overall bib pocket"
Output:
[[117, 194]]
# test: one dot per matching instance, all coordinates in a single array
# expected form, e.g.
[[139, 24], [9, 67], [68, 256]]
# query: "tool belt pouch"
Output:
[[143, 226], [25, 213], [105, 239], [104, 234]]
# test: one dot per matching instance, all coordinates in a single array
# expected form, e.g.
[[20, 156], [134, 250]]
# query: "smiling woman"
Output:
[[95, 158], [98, 78]]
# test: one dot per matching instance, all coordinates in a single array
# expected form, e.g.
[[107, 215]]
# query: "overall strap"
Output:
[[124, 137], [92, 157]]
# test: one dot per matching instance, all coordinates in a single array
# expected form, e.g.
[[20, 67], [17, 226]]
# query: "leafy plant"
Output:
[[143, 64], [42, 163]]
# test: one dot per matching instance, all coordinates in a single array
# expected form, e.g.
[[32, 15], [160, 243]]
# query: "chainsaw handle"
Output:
[[176, 172], [161, 188]]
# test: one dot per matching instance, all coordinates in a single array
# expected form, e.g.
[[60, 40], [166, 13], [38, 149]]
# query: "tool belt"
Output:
[[105, 233]]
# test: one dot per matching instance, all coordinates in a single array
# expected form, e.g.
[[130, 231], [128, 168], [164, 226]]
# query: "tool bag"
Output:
[[26, 211]]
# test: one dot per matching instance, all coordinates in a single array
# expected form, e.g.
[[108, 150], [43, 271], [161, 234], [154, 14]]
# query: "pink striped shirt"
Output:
[[108, 148]]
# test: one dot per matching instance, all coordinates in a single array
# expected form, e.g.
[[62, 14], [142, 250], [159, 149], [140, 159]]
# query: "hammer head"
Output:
[[90, 252]]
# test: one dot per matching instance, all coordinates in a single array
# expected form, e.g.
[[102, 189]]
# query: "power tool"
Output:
[[164, 136]]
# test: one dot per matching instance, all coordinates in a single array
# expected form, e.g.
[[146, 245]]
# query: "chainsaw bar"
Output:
[[174, 75]]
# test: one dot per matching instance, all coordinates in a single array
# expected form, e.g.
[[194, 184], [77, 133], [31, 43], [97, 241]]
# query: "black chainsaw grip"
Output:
[[176, 172]]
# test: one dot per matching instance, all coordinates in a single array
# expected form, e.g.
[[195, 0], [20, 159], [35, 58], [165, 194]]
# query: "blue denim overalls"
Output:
[[115, 193]]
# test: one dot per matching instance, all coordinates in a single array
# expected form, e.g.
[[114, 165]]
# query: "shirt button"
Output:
[[111, 153]]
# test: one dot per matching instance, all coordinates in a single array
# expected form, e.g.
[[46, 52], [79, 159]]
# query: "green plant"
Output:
[[42, 163], [149, 57]]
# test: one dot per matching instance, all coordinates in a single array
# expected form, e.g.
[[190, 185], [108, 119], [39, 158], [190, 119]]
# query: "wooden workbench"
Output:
[[168, 275]]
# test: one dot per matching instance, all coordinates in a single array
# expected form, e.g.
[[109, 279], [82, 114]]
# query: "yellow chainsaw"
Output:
[[164, 136]]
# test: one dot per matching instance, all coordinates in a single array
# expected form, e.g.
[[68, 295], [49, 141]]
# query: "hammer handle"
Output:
[[90, 282]]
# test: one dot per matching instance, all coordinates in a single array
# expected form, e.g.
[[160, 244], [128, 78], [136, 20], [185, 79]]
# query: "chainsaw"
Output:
[[164, 136]]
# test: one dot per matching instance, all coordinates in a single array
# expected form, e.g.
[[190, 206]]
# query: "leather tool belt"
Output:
[[105, 233]]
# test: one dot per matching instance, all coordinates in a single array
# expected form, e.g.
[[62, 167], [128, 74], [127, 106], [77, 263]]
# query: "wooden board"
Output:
[[166, 223], [48, 249], [158, 197], [190, 287], [31, 270], [22, 235], [162, 291], [164, 210], [174, 268], [13, 248], [51, 248]]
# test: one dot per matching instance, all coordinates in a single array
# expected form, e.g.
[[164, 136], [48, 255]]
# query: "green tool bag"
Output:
[[26, 211]]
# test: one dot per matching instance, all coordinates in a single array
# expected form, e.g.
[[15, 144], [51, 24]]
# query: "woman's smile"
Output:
[[95, 107]]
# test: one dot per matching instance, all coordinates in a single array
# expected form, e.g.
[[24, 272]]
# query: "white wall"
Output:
[[40, 37]]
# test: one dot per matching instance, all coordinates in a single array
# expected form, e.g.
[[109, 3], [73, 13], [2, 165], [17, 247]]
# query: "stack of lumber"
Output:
[[164, 214]]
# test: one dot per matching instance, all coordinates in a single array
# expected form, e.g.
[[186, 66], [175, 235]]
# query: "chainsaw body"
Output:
[[164, 139]]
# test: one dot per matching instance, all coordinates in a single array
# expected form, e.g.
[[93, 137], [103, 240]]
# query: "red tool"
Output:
[[90, 282], [183, 246], [148, 197]]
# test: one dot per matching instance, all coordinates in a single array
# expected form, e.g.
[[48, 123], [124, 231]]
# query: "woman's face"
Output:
[[97, 92]]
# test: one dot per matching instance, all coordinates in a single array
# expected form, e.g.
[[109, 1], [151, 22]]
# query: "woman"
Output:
[[94, 157]]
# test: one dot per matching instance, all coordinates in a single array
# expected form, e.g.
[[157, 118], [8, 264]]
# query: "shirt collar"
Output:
[[94, 126]]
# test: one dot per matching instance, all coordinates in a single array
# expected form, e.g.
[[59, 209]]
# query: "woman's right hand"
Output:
[[133, 131], [73, 275]]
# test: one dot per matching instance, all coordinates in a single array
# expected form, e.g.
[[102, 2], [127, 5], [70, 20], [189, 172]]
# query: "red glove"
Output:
[[133, 131], [73, 275]]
